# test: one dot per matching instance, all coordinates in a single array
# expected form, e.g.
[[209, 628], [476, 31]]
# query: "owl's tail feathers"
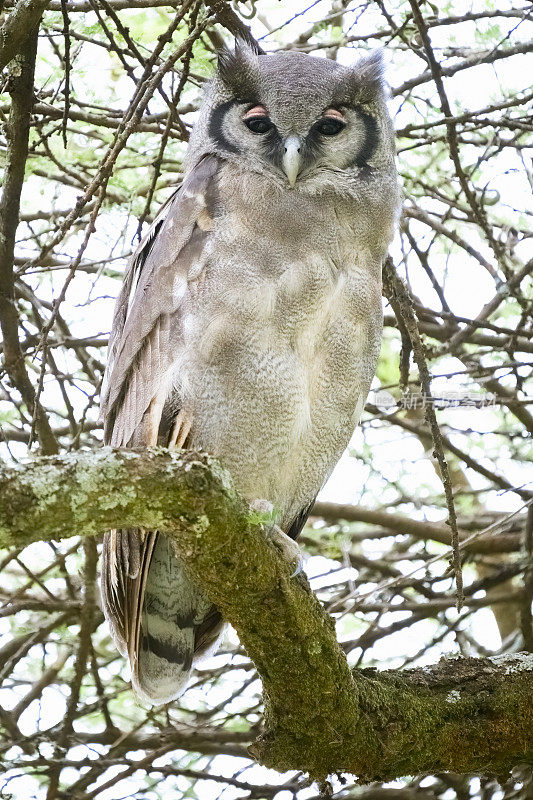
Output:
[[178, 624], [164, 660]]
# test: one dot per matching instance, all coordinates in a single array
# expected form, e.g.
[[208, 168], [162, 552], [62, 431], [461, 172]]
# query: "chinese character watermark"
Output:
[[384, 400]]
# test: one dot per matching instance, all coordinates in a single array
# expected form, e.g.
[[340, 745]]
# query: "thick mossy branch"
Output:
[[462, 715]]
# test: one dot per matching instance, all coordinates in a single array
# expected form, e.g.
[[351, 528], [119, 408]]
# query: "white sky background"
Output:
[[352, 481]]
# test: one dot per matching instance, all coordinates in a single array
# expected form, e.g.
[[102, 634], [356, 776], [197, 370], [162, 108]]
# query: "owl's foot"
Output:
[[287, 546]]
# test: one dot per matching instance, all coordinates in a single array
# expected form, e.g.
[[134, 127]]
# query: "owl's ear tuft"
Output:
[[238, 70], [365, 79]]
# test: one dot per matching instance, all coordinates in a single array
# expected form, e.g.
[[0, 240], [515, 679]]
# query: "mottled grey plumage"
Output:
[[249, 322]]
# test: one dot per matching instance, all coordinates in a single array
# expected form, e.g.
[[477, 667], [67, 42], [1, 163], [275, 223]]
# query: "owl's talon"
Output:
[[287, 546], [299, 566]]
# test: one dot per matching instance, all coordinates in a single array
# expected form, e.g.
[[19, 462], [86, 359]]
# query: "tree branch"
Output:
[[18, 130], [21, 22], [463, 715]]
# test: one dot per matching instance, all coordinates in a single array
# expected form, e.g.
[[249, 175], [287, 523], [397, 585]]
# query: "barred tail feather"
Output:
[[164, 660], [174, 611]]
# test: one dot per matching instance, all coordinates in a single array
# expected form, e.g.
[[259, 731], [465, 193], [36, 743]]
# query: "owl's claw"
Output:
[[287, 546], [299, 566]]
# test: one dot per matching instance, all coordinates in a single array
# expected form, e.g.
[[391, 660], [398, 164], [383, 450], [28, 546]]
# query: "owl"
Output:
[[249, 321]]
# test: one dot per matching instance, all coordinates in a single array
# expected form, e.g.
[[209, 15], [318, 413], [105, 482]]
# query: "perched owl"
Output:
[[249, 322]]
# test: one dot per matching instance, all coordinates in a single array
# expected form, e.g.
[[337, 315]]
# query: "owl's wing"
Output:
[[296, 526], [143, 347]]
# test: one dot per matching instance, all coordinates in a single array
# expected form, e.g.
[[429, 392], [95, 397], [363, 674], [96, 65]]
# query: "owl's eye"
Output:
[[329, 126], [259, 124]]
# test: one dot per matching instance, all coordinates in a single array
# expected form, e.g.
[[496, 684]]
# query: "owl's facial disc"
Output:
[[292, 148], [305, 122], [293, 142]]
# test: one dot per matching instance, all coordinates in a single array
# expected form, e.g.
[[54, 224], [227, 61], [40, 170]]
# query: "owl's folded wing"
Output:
[[144, 342]]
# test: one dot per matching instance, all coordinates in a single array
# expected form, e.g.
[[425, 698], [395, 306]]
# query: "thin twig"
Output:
[[397, 293]]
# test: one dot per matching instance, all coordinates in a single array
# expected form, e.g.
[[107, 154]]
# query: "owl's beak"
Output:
[[292, 158]]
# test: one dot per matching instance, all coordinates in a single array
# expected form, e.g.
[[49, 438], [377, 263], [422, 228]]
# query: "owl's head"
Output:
[[296, 117]]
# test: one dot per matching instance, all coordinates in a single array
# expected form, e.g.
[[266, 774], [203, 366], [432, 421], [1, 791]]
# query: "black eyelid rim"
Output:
[[261, 118], [258, 116], [341, 122]]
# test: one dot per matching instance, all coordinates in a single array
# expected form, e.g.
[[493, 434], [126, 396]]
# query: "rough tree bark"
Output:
[[463, 715], [22, 20]]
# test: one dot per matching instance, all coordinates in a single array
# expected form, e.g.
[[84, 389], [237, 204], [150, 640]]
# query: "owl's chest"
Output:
[[294, 282], [290, 344], [281, 347], [305, 310]]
